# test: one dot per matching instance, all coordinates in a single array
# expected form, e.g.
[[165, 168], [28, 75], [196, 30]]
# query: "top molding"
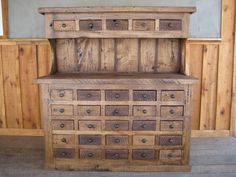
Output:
[[119, 9]]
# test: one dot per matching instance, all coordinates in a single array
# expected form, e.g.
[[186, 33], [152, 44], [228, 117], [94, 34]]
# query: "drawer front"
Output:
[[167, 125], [170, 155], [117, 95], [63, 139], [144, 111], [117, 24], [64, 153], [62, 124], [139, 154], [90, 154], [170, 25], [89, 110], [117, 154], [64, 25], [62, 110], [89, 95], [143, 25], [90, 139], [143, 140], [171, 111], [117, 110], [144, 95], [90, 125], [119, 125], [172, 95], [61, 94], [144, 125], [170, 140], [90, 25], [116, 140]]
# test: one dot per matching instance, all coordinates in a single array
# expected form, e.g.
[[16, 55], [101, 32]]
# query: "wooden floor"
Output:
[[210, 157]]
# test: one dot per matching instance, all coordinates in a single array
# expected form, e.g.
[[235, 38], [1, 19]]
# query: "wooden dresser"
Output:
[[116, 99]]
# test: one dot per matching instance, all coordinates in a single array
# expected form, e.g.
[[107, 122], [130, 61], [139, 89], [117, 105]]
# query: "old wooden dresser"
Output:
[[116, 99]]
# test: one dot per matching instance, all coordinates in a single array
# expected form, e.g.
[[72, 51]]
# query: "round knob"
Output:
[[171, 126], [116, 24], [116, 111], [172, 111], [144, 111], [63, 140], [143, 155], [170, 140], [61, 110], [169, 155], [116, 155], [170, 25], [63, 25], [88, 111], [143, 24], [90, 154], [61, 94], [116, 125], [117, 140], [172, 96], [62, 125], [144, 95], [90, 25], [90, 140], [144, 140], [117, 95], [89, 95], [144, 125], [90, 126], [63, 154]]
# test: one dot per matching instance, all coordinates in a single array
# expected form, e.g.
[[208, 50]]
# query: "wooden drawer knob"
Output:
[[172, 111], [144, 111], [90, 140], [90, 25], [171, 126], [88, 111], [144, 140], [62, 125], [144, 95], [90, 154], [90, 126], [117, 140], [143, 155], [62, 110], [63, 140], [117, 95], [61, 94], [63, 154], [170, 25], [170, 140], [116, 111], [116, 125], [117, 155], [63, 25], [144, 125], [172, 96], [89, 95], [170, 155]]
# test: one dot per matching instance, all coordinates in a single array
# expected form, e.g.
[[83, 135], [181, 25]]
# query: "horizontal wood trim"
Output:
[[210, 133], [21, 132]]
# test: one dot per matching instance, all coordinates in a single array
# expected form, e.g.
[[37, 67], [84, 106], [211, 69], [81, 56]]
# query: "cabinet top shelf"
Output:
[[119, 9]]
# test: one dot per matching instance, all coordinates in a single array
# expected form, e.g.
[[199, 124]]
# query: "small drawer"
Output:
[[89, 125], [89, 110], [144, 111], [117, 95], [90, 139], [89, 95], [90, 154], [170, 140], [117, 140], [64, 25], [172, 95], [170, 25], [117, 24], [90, 25], [117, 110], [170, 111], [146, 154], [61, 94], [62, 124], [144, 125], [64, 153], [143, 140], [117, 125], [62, 110], [143, 25], [117, 154], [170, 155], [167, 125], [144, 95], [63, 139]]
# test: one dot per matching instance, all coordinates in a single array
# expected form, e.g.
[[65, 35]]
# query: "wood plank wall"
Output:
[[212, 61]]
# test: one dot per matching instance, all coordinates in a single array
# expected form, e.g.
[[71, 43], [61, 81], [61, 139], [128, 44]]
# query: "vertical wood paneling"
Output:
[[10, 61], [225, 70], [195, 69], [209, 85], [126, 55], [107, 55], [29, 89], [2, 99], [44, 60]]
